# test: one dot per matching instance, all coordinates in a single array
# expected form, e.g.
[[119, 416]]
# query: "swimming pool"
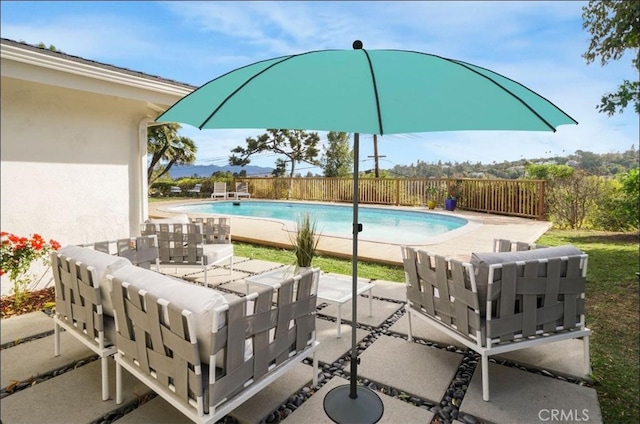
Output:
[[379, 224]]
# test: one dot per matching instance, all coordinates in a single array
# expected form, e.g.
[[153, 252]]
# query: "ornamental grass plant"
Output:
[[305, 240]]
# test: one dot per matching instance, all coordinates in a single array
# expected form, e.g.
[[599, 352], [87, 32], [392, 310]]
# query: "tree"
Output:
[[296, 145], [631, 196], [618, 207], [281, 168], [337, 159], [615, 28], [590, 162], [165, 145]]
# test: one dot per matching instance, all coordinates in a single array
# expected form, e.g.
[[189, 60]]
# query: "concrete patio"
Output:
[[413, 379]]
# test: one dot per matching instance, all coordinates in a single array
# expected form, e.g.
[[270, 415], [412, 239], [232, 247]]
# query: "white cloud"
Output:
[[536, 43]]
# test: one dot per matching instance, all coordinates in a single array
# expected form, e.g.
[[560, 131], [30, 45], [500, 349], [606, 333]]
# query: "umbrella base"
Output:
[[366, 408]]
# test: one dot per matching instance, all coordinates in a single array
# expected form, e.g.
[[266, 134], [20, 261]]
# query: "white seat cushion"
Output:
[[201, 301], [216, 252], [103, 263], [482, 261]]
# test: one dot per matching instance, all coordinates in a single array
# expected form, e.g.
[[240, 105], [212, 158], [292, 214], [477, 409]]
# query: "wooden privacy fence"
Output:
[[523, 198]]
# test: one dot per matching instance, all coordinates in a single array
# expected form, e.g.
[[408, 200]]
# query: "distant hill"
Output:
[[178, 171]]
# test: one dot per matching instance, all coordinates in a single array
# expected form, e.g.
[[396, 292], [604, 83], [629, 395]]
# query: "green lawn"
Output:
[[326, 263], [611, 299], [612, 315]]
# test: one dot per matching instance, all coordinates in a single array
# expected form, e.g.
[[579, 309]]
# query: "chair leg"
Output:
[[587, 356], [231, 265], [408, 312], [485, 378], [56, 339], [118, 383], [315, 370], [105, 378]]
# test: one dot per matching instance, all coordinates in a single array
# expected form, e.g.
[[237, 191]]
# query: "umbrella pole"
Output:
[[352, 403], [354, 267]]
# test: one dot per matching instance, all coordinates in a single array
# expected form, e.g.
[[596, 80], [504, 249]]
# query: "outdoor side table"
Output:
[[331, 288]]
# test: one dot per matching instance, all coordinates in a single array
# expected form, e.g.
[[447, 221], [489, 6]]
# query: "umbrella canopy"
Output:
[[364, 91]]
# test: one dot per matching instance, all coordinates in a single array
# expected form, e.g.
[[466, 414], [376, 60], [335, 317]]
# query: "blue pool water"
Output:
[[381, 225]]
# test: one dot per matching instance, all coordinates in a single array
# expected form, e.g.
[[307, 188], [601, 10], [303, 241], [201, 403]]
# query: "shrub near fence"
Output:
[[524, 198]]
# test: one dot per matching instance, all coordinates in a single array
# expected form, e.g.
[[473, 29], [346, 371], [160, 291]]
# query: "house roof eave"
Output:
[[72, 65]]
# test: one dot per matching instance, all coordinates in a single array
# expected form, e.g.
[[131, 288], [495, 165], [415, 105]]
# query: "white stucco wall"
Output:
[[73, 148], [68, 163]]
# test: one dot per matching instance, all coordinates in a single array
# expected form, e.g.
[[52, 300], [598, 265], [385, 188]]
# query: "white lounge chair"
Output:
[[195, 190], [176, 190], [219, 190], [242, 190]]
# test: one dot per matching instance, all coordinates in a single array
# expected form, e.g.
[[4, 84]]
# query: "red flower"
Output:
[[19, 253]]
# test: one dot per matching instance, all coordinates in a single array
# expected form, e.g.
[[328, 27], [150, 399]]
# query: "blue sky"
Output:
[[538, 44]]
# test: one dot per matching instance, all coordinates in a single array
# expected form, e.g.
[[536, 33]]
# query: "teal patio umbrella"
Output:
[[364, 91]]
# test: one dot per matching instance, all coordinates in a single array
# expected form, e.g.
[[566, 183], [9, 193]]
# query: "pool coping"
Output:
[[478, 238], [289, 226]]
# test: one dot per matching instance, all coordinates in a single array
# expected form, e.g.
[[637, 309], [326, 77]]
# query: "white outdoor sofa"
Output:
[[83, 305], [203, 355], [500, 301], [249, 342]]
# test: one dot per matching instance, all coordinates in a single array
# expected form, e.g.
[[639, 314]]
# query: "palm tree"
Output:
[[165, 145]]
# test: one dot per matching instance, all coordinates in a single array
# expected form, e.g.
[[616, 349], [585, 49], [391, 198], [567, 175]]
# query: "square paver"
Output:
[[218, 276], [22, 326], [413, 368], [424, 331], [565, 357], [72, 397], [381, 311], [390, 290], [395, 411], [256, 408], [517, 396], [157, 410], [331, 347], [36, 357], [256, 266], [240, 259], [237, 286]]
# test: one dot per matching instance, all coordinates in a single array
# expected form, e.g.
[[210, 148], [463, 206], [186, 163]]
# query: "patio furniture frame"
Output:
[[141, 251], [78, 295], [191, 244], [79, 310], [331, 288], [157, 344], [529, 303]]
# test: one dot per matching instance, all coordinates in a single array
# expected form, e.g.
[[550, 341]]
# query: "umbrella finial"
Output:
[[357, 45]]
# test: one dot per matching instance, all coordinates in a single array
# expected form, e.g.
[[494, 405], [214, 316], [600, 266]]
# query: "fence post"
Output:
[[541, 202], [397, 191]]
